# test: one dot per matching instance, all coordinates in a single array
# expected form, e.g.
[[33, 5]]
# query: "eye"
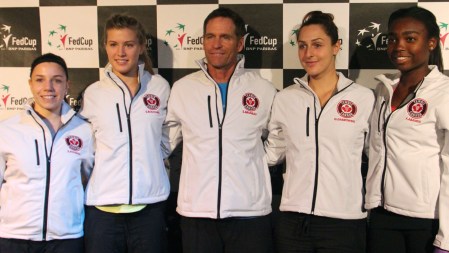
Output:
[[302, 46], [391, 40], [317, 45], [410, 39], [208, 36], [129, 45]]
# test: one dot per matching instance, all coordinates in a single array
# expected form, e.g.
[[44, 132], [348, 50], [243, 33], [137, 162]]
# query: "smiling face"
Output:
[[409, 47], [123, 50], [221, 44], [315, 51], [49, 85]]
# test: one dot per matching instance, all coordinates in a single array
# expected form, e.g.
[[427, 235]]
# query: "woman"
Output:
[[129, 185], [407, 183], [319, 124], [46, 154]]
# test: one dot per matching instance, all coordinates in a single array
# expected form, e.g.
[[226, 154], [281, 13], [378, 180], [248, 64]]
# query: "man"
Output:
[[220, 112]]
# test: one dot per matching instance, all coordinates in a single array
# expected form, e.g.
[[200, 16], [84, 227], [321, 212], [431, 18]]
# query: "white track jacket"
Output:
[[322, 146], [41, 177], [129, 168], [408, 159], [224, 173]]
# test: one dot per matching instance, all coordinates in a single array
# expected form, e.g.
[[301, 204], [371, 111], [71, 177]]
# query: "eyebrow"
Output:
[[314, 40]]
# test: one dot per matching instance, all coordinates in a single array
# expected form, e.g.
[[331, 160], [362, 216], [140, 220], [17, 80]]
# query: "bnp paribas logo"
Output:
[[11, 42], [178, 38], [371, 38], [59, 38], [443, 35]]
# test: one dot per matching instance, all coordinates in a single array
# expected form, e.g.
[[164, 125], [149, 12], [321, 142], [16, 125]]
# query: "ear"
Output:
[[433, 43], [336, 48], [29, 82], [240, 44]]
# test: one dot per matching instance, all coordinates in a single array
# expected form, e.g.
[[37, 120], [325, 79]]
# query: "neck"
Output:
[[324, 83], [131, 82], [51, 118], [412, 78], [221, 75]]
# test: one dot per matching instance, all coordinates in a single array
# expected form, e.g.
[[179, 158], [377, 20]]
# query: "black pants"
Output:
[[230, 235], [140, 232], [53, 246], [304, 233], [393, 233]]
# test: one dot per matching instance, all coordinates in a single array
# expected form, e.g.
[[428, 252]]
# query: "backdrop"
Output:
[[73, 30]]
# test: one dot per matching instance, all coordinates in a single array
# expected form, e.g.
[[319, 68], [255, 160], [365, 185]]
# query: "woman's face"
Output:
[[123, 50], [409, 47], [316, 51], [49, 85]]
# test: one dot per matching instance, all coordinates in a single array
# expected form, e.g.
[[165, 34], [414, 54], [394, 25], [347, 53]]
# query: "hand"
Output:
[[438, 250]]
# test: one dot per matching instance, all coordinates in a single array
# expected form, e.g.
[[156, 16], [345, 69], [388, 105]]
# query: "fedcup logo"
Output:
[[178, 38], [11, 102], [255, 42], [11, 42], [443, 35], [370, 37], [59, 38]]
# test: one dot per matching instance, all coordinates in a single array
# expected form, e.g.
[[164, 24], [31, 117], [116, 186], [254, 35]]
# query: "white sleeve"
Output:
[[275, 146]]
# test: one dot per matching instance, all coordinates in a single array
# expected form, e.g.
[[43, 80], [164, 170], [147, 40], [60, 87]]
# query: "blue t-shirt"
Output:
[[223, 90]]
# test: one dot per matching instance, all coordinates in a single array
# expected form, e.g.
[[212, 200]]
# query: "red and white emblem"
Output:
[[346, 109], [417, 108], [74, 142], [151, 101], [250, 102]]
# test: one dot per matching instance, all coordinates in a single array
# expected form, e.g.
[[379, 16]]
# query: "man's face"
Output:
[[221, 44]]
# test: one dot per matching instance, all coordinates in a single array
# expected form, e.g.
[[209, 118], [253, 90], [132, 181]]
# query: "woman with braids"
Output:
[[408, 175], [129, 185], [319, 125]]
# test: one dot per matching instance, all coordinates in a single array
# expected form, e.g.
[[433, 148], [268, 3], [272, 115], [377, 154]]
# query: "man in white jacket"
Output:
[[220, 112]]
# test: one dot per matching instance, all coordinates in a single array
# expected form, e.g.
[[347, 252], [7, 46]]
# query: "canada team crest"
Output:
[[74, 142], [250, 102], [346, 109], [152, 102], [417, 108]]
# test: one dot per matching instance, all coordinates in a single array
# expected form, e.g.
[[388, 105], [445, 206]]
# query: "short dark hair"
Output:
[[227, 13], [326, 20], [430, 22], [49, 57]]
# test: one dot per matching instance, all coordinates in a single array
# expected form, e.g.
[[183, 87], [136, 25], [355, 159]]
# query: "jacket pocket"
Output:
[[37, 152], [119, 118], [210, 111], [307, 121], [379, 124]]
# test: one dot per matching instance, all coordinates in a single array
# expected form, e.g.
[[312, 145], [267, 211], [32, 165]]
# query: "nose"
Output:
[[121, 50], [217, 43], [48, 85]]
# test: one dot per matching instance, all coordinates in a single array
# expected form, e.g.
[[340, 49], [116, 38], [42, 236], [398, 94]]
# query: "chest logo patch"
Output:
[[417, 108], [346, 109], [250, 102], [74, 142], [152, 102]]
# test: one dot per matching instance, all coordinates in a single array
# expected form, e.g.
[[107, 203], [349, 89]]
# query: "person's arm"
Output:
[[275, 146], [88, 163], [442, 237], [171, 130]]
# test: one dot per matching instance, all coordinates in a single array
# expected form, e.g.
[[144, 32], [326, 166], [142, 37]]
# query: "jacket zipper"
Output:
[[317, 119], [128, 120], [119, 118], [307, 121], [220, 139], [37, 152], [48, 171], [402, 104], [380, 113], [210, 112]]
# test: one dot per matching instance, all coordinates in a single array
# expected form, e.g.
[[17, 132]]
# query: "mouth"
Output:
[[400, 59], [121, 61]]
